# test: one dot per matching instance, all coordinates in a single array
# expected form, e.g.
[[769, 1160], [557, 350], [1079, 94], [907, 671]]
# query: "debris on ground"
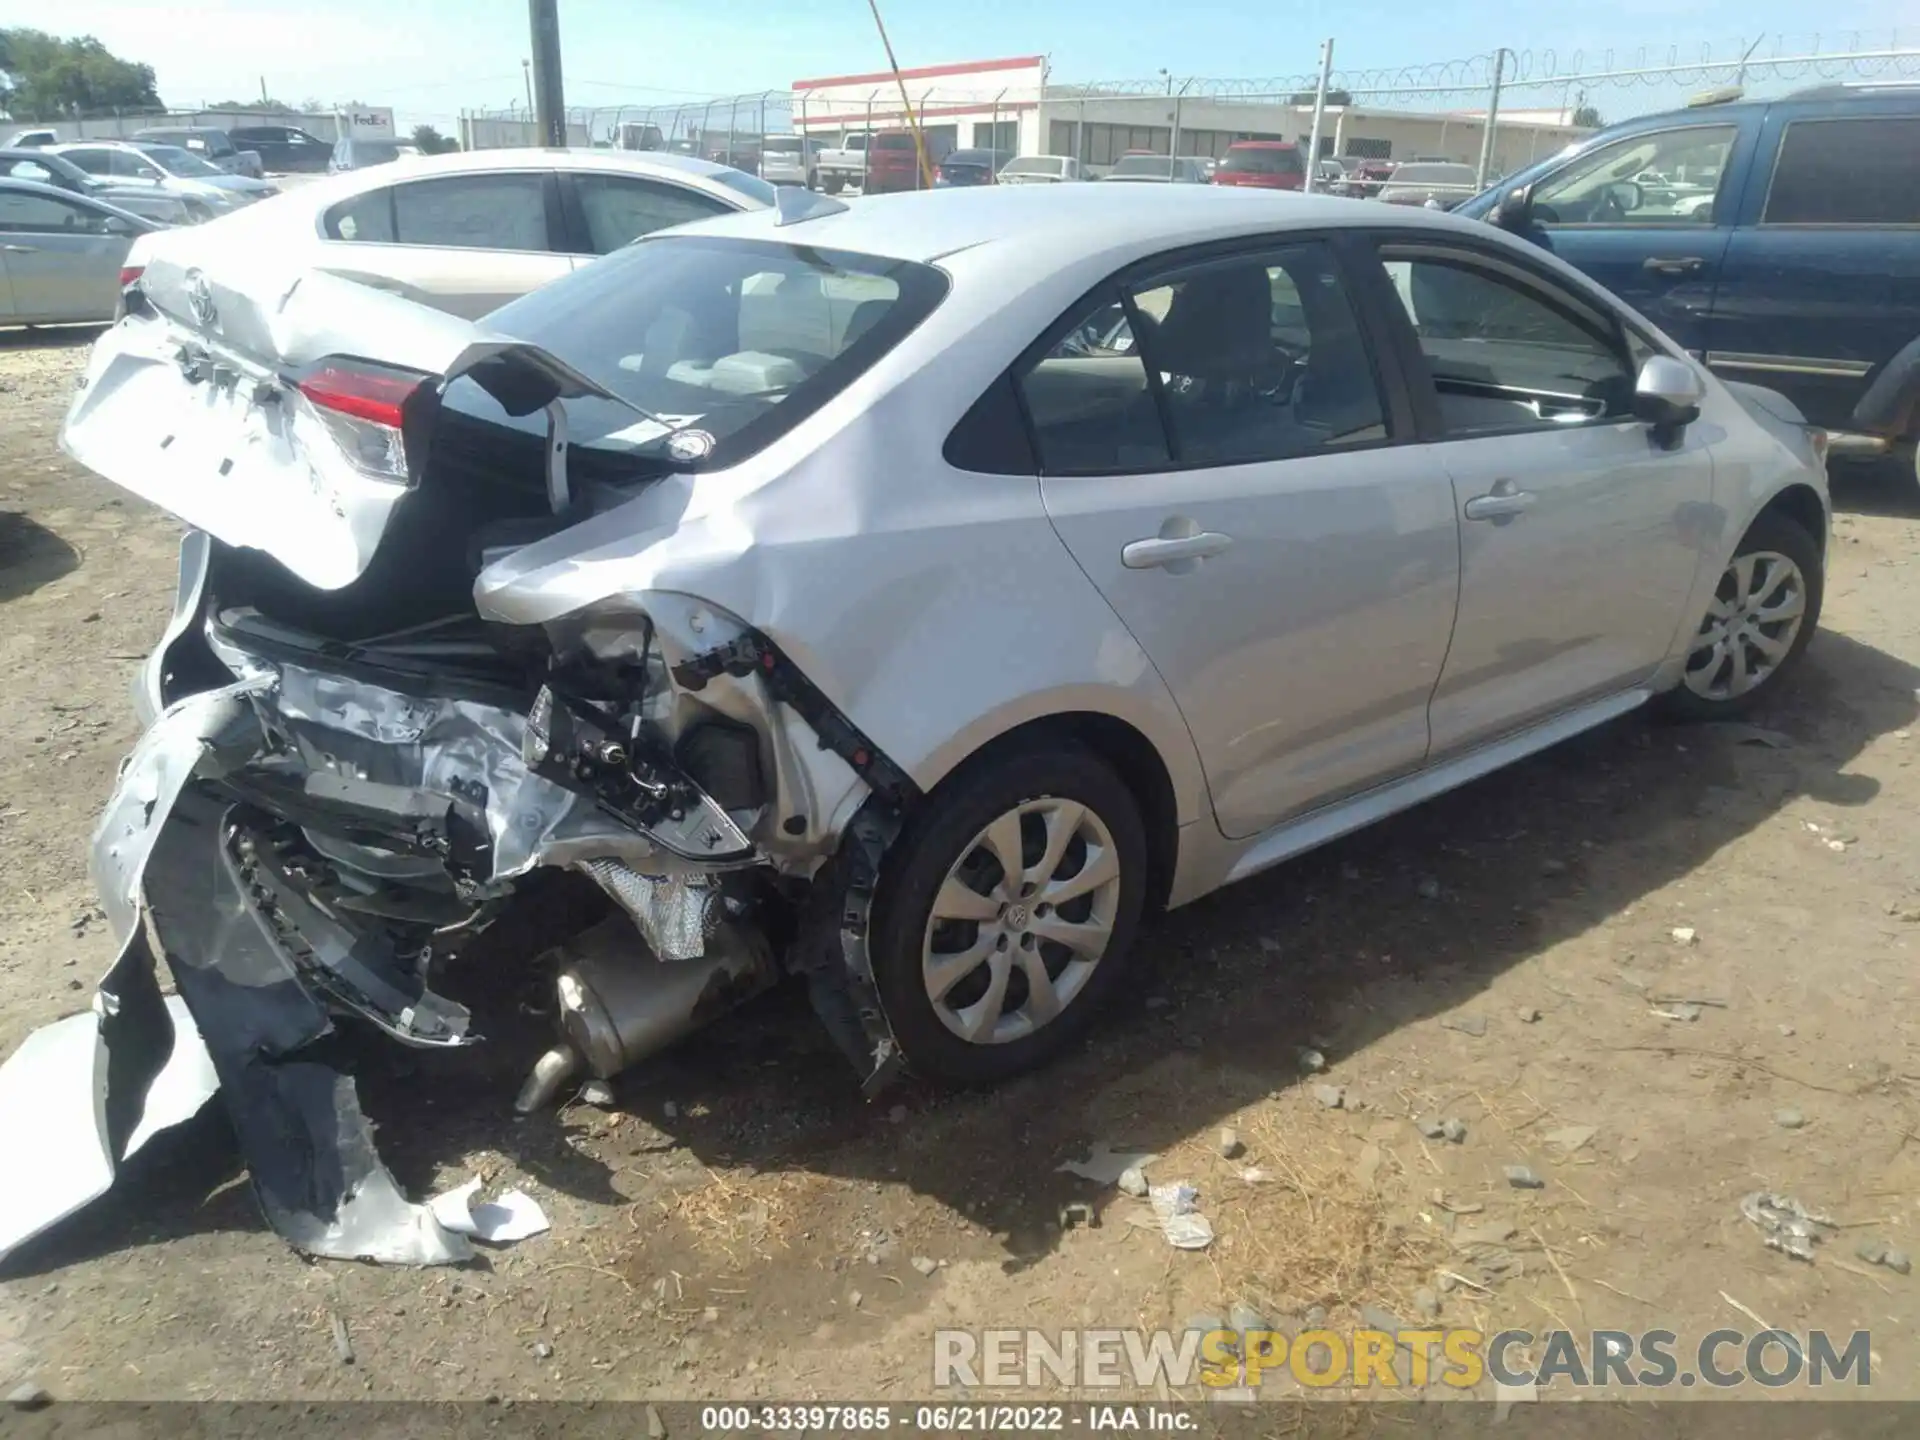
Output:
[[1491, 1232], [1522, 1178], [1133, 1181], [28, 1397], [1570, 1138], [1312, 1061], [1685, 1011], [1177, 1206], [1474, 1025], [1740, 733], [1430, 1126], [597, 1093], [1333, 1097], [1785, 1224], [1077, 1214], [516, 1215], [1228, 1143], [1788, 1118], [924, 1265], [1105, 1165], [542, 1350], [1427, 1303], [1684, 934], [897, 1115], [1527, 1015], [1454, 1131], [1428, 888], [1254, 1175], [342, 1342], [1878, 1252]]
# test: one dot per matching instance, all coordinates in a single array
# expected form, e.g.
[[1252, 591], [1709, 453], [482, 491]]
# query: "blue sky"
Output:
[[431, 58]]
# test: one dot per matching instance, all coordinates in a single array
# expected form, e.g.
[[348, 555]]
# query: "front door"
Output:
[[62, 262], [1649, 217], [1578, 533], [1223, 461]]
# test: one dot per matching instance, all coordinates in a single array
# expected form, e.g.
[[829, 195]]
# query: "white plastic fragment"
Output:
[[1785, 1224], [1105, 1165], [1177, 1207], [514, 1216]]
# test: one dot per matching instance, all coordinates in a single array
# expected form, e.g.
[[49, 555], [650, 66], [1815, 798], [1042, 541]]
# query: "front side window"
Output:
[[21, 213], [1504, 353], [1666, 178], [1847, 172], [718, 346], [473, 212], [132, 165], [619, 208], [175, 161]]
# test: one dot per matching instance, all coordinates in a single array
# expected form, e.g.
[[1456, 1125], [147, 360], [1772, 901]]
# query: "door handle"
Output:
[[1171, 550], [1503, 503], [21, 249], [1674, 264]]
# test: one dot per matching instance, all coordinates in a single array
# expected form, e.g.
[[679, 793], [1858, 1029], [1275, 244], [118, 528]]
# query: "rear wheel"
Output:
[[833, 184], [1006, 914], [1762, 615]]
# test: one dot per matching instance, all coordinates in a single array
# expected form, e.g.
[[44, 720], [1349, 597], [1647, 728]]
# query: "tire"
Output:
[[1710, 688], [947, 849], [834, 184]]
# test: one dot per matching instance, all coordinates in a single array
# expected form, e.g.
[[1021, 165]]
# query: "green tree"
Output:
[[432, 142], [1588, 118], [276, 107], [43, 77]]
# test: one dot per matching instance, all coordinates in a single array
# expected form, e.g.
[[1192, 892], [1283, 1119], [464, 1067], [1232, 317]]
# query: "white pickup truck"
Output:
[[844, 164]]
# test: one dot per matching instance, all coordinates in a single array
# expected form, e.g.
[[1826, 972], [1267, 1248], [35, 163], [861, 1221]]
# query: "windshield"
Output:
[[175, 161], [751, 186], [1143, 165], [726, 344], [1261, 161]]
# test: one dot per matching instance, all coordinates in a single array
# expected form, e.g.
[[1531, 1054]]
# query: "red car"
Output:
[[893, 163], [1267, 164]]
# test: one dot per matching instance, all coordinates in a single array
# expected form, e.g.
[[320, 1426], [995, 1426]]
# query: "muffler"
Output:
[[620, 1003]]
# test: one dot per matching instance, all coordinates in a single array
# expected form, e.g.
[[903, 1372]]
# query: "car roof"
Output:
[[466, 162], [1035, 222], [178, 130]]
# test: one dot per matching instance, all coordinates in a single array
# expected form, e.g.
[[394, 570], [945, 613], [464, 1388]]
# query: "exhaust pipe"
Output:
[[620, 1003]]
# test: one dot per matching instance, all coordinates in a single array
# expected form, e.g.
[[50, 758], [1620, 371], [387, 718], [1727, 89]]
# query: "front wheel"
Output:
[[1006, 913], [834, 183], [1762, 615]]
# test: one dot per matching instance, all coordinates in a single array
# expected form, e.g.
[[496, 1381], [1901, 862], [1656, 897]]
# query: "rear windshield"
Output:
[[1033, 165], [725, 344], [781, 145], [1143, 165], [371, 152], [741, 183], [893, 142], [1261, 161], [1425, 173]]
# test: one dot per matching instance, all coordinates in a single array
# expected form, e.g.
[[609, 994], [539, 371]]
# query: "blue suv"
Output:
[[1778, 240]]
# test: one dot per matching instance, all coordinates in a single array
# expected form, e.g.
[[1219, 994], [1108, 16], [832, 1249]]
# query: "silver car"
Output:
[[907, 597], [167, 168], [62, 257]]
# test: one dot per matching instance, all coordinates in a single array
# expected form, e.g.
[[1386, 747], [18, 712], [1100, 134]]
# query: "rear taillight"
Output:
[[364, 408], [130, 275]]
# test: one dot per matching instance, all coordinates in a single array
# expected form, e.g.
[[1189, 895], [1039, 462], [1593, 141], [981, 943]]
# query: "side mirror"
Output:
[[1667, 395], [1627, 195], [1516, 210]]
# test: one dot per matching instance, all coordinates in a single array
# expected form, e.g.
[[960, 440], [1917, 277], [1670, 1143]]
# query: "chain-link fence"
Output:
[[1497, 111]]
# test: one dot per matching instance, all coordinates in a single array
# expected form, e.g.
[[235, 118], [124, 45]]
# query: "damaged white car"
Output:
[[905, 597]]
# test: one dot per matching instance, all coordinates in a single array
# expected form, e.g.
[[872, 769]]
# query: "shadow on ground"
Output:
[[1337, 949], [48, 337], [30, 555], [1887, 487]]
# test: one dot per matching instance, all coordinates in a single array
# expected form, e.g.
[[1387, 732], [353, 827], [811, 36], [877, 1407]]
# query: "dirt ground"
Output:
[[745, 1226]]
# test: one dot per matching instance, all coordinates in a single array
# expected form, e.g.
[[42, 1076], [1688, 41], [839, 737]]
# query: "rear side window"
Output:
[[1863, 171], [473, 212], [1091, 399], [619, 208], [367, 219]]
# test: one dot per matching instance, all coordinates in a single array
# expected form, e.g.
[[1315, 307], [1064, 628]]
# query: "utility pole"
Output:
[[1312, 180], [1493, 120], [549, 104], [919, 141]]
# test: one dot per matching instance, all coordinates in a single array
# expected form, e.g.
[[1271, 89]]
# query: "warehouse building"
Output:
[[1011, 105]]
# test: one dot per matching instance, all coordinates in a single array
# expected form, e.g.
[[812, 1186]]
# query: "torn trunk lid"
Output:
[[289, 411]]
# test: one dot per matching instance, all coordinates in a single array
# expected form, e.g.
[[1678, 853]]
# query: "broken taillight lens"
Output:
[[130, 275], [364, 408]]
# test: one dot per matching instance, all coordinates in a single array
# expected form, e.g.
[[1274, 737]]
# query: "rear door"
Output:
[[1649, 215], [605, 210], [1229, 466], [466, 244], [1579, 534], [1821, 283]]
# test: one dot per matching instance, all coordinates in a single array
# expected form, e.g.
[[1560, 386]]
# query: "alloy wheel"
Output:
[[1750, 626], [1021, 921]]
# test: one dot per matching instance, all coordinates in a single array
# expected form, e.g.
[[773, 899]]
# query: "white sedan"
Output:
[[466, 233]]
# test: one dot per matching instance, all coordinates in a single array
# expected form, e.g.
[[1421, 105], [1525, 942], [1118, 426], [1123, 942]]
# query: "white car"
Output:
[[468, 232], [165, 167], [831, 588], [1040, 170]]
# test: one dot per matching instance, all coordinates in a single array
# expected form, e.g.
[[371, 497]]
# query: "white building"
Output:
[[1009, 105]]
